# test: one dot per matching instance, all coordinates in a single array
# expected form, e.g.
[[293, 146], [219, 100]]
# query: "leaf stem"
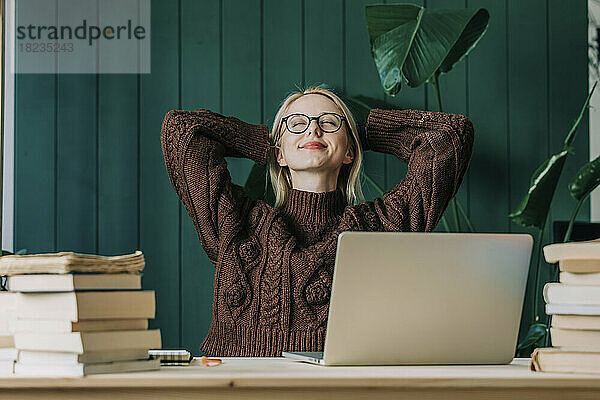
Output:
[[437, 90], [462, 211], [445, 222], [373, 183], [455, 210], [571, 136], [573, 216], [537, 271]]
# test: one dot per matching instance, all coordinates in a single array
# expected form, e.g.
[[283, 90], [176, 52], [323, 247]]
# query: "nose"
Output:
[[316, 130]]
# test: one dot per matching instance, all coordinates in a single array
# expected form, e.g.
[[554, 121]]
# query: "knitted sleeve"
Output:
[[194, 145], [437, 147]]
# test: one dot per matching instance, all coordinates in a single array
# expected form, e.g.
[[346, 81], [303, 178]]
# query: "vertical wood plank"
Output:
[[241, 72], [35, 162], [282, 56], [159, 205], [528, 111], [76, 169], [200, 88], [362, 79], [489, 191], [76, 182], [118, 200], [35, 151], [324, 40], [118, 163], [568, 89]]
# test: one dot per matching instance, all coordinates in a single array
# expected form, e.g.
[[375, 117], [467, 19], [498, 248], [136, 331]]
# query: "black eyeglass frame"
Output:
[[310, 119]]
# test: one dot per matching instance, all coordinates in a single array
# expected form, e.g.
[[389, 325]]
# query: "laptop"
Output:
[[410, 298]]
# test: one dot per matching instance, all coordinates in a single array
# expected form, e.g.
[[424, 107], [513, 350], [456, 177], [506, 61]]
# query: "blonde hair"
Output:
[[349, 175]]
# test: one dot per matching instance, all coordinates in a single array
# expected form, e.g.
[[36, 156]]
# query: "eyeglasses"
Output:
[[328, 122]]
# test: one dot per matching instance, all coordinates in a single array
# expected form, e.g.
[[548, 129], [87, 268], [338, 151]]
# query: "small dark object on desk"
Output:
[[172, 357]]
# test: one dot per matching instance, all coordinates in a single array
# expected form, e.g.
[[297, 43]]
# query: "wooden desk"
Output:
[[270, 378]]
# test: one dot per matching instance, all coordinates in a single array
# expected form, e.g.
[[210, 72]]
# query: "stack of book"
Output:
[[8, 352], [574, 306], [80, 314]]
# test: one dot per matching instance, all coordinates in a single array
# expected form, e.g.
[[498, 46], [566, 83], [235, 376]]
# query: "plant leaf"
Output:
[[383, 18], [468, 39], [257, 185], [391, 31], [533, 209], [436, 42], [586, 179], [414, 42], [534, 334], [571, 136]]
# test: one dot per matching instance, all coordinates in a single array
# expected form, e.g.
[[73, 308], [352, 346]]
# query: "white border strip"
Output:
[[9, 132]]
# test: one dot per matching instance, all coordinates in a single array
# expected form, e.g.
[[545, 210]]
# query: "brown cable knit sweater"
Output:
[[274, 267]]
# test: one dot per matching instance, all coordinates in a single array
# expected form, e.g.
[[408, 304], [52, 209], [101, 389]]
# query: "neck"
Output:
[[324, 181]]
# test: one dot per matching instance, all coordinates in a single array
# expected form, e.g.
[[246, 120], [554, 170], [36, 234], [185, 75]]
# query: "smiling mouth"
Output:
[[313, 147]]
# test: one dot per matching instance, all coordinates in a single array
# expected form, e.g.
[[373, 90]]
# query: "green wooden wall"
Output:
[[89, 173]]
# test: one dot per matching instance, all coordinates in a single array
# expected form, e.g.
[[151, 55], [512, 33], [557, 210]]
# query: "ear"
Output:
[[279, 157], [349, 156]]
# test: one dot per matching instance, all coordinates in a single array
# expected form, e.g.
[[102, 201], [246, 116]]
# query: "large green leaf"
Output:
[[414, 42], [469, 37], [534, 335], [533, 209], [383, 18], [392, 29], [586, 179]]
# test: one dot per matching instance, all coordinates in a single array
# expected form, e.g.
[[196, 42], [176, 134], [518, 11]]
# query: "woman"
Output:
[[274, 265]]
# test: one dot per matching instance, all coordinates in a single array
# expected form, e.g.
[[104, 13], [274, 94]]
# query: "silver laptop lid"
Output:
[[426, 298]]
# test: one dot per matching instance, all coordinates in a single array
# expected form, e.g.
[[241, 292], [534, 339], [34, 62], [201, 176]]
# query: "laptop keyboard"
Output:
[[313, 354]]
